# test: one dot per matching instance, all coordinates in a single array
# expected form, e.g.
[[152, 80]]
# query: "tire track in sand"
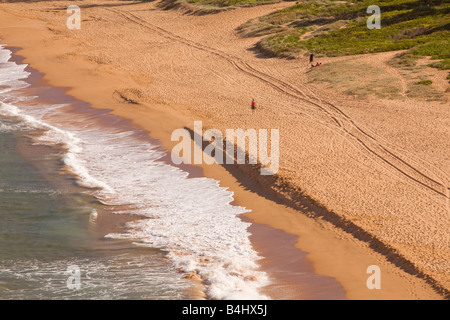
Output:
[[368, 142]]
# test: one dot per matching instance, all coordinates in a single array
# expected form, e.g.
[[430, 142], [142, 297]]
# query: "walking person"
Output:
[[253, 105]]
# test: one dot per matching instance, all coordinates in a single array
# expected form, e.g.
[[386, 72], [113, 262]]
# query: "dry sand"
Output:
[[361, 182]]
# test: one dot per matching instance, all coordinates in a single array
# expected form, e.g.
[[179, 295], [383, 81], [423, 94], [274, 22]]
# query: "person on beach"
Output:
[[311, 58], [253, 105]]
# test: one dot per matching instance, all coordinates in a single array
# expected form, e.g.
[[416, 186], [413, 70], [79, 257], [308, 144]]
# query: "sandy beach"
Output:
[[361, 182]]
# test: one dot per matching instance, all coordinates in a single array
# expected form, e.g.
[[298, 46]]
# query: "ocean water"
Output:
[[81, 187]]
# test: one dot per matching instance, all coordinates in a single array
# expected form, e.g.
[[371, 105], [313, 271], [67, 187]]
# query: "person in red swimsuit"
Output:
[[253, 105]]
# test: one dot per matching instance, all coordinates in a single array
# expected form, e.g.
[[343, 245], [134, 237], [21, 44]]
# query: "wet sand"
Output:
[[341, 243], [106, 221], [291, 274]]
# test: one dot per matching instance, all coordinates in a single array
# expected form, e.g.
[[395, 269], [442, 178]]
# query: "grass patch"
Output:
[[425, 92], [231, 3], [354, 77], [201, 7], [425, 82], [350, 76], [419, 87], [336, 28], [405, 61], [285, 44], [437, 50]]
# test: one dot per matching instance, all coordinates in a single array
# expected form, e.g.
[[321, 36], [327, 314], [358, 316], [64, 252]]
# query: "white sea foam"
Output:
[[11, 73], [4, 127], [54, 135], [191, 218], [103, 277]]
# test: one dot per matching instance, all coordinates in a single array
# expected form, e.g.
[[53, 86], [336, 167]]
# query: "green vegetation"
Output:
[[231, 3], [212, 6], [349, 75], [425, 82], [337, 28], [423, 90], [346, 77], [437, 50]]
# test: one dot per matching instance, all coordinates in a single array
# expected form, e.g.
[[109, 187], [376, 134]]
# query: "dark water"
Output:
[[47, 225], [39, 210]]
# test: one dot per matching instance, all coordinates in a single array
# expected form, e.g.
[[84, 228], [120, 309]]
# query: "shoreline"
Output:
[[91, 244], [293, 260], [332, 253], [106, 222]]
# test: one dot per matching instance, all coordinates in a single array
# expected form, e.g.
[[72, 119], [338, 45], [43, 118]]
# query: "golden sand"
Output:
[[361, 182]]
